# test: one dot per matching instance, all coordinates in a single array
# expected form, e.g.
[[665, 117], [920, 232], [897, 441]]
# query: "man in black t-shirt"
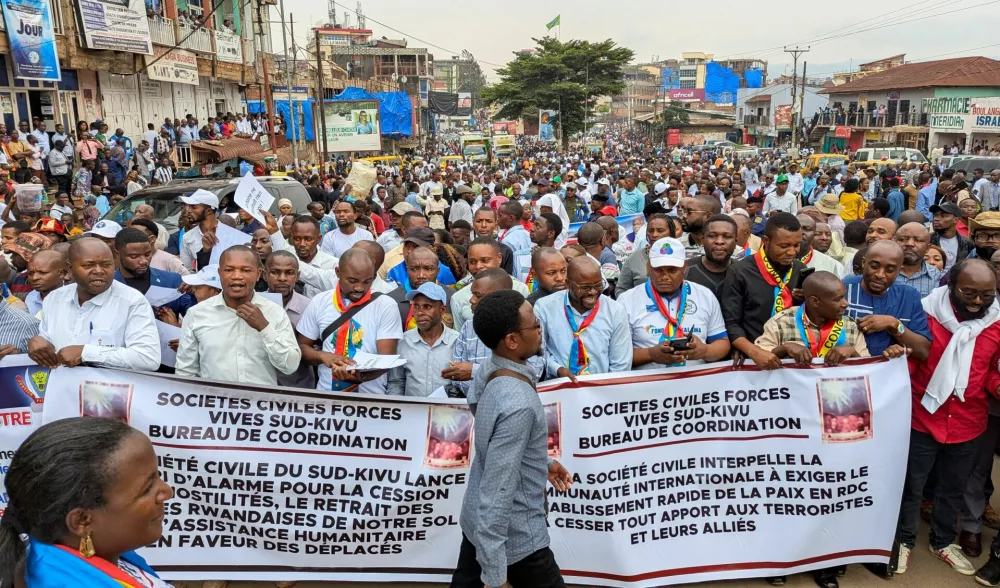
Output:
[[719, 242]]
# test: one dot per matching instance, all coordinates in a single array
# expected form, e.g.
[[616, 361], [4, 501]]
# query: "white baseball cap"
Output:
[[201, 196], [582, 181], [604, 181], [206, 276], [107, 229], [667, 252], [659, 188]]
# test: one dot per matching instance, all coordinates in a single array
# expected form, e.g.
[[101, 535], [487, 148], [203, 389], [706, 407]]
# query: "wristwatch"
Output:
[[900, 329]]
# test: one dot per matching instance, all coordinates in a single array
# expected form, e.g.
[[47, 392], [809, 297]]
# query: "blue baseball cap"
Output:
[[430, 290]]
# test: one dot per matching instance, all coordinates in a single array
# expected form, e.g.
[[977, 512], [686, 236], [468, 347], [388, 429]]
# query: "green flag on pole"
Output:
[[553, 24]]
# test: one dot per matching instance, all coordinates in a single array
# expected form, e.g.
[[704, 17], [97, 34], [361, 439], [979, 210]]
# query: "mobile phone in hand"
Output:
[[681, 344]]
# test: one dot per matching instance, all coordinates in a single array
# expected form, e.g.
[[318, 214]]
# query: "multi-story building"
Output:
[[367, 59], [127, 71], [765, 114], [691, 69], [642, 83], [869, 68]]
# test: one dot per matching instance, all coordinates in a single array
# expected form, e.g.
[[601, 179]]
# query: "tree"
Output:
[[672, 115], [559, 76], [471, 79]]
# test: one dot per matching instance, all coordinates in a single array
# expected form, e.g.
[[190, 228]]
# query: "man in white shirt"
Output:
[[96, 320], [68, 142], [433, 185], [373, 327], [149, 135], [483, 253], [461, 208], [511, 233], [238, 335], [44, 145], [796, 183], [393, 236], [338, 241], [305, 245], [200, 210]]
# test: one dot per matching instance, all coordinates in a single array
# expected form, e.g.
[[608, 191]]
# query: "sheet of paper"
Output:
[[367, 362], [273, 297], [251, 197], [158, 295], [167, 333], [439, 393], [228, 237]]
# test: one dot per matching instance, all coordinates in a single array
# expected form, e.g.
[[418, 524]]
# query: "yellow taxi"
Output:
[[452, 160], [384, 160], [818, 160]]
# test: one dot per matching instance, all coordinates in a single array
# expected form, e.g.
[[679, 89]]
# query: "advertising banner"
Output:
[[353, 125], [783, 116], [682, 475], [464, 104], [985, 117], [22, 393], [115, 25], [505, 126], [547, 121], [177, 65], [32, 39], [228, 47], [688, 95]]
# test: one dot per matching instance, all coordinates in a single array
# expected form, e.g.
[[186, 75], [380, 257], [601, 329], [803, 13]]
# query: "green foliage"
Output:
[[672, 115], [565, 76]]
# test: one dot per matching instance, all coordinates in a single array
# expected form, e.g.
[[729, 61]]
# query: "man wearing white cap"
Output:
[[584, 191], [673, 321], [196, 246], [239, 335], [106, 230]]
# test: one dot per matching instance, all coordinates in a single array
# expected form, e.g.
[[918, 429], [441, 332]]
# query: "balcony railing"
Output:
[[864, 119], [200, 40], [760, 120], [162, 32]]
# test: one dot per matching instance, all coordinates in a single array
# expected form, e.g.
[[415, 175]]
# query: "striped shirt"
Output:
[[16, 326], [469, 349], [925, 280]]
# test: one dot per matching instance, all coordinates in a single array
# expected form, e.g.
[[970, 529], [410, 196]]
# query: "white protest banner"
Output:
[[681, 476], [22, 392], [252, 197]]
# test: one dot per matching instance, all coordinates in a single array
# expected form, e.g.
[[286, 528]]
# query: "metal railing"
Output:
[[870, 119], [756, 119], [162, 31], [200, 40]]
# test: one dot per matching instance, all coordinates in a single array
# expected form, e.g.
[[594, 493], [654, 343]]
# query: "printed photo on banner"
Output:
[[106, 400], [449, 437], [547, 121], [22, 386], [553, 420], [32, 40], [845, 406], [353, 125]]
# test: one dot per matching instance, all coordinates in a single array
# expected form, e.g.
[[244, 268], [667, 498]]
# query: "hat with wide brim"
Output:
[[829, 204], [984, 220]]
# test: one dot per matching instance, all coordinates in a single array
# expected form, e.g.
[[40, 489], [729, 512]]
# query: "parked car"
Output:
[[167, 206], [968, 164], [882, 155]]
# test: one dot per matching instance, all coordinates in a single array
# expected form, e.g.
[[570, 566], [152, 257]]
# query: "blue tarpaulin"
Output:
[[669, 79], [721, 84], [302, 114], [754, 78], [394, 109]]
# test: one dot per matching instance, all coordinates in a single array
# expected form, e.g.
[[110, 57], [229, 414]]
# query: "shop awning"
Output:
[[284, 156], [227, 149]]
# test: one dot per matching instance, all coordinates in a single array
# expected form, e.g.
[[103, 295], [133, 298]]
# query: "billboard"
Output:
[[177, 65], [686, 95], [783, 116], [228, 47], [115, 25], [353, 125], [464, 104], [32, 40], [547, 121]]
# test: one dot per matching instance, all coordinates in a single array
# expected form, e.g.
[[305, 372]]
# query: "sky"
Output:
[[653, 29]]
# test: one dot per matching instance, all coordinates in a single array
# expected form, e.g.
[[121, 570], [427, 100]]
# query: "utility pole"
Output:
[[268, 99], [795, 69], [292, 123], [802, 101], [321, 95]]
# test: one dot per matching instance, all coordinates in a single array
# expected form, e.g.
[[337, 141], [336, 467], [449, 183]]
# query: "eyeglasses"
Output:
[[587, 287], [985, 297], [987, 237], [535, 327]]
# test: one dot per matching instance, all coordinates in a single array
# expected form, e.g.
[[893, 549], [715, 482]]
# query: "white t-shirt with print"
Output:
[[379, 320], [702, 317]]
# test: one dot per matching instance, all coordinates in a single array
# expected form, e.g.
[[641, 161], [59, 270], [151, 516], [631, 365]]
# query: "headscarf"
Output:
[[556, 204]]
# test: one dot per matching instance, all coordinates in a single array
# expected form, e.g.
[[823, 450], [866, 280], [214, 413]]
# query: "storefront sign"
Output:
[[947, 105], [32, 40], [842, 132], [873, 135], [150, 88], [298, 92], [955, 122], [714, 475], [228, 47], [985, 115], [115, 26], [177, 66], [687, 95]]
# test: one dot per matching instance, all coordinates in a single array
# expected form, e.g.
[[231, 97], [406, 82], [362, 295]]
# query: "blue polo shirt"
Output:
[[398, 275], [900, 301]]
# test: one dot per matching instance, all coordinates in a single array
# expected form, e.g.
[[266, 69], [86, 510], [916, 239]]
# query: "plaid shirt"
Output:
[[925, 280], [781, 329], [469, 349], [16, 326]]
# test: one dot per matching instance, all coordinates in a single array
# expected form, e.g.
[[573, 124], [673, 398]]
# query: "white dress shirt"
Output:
[[116, 327], [217, 344]]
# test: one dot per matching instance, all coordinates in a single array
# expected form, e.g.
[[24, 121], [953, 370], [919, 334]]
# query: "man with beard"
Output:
[[392, 237], [370, 323], [549, 268], [887, 312], [198, 241], [483, 253], [305, 244], [955, 246], [347, 233], [633, 271], [916, 272], [950, 385], [281, 271], [693, 212], [760, 286], [427, 348], [422, 267], [484, 224], [47, 271], [808, 254], [238, 335], [543, 234], [585, 331], [134, 254], [709, 270], [96, 319], [667, 309]]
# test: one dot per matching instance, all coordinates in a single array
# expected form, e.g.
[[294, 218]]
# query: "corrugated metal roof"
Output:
[[231, 148], [958, 72], [759, 98]]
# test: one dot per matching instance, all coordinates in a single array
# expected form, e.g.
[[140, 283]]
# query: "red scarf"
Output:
[[782, 293]]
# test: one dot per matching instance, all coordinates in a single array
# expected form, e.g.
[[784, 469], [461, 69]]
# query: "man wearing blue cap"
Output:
[[427, 348]]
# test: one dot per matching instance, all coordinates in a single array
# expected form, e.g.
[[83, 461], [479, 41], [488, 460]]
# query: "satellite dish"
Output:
[[402, 80]]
